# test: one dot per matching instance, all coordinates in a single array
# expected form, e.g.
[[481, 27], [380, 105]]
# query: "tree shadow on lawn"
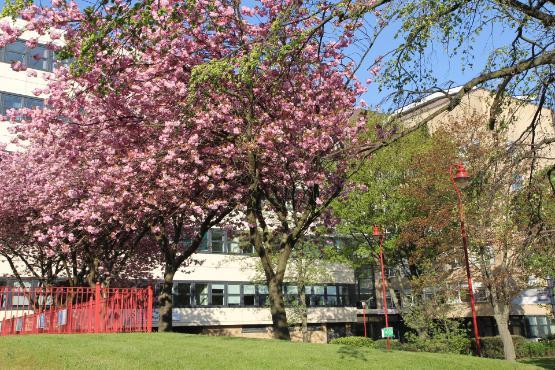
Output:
[[546, 362], [351, 352]]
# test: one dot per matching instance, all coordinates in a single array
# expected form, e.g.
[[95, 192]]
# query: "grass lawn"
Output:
[[182, 351], [545, 363]]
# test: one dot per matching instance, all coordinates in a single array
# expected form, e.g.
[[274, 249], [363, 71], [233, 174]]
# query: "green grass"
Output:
[[182, 351], [545, 363]]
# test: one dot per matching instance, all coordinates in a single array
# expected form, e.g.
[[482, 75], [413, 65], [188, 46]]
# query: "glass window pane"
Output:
[[20, 297], [32, 103], [249, 296], [532, 320], [10, 101], [217, 294], [248, 289], [262, 289], [217, 239], [318, 289], [16, 47], [14, 57], [331, 290], [234, 300], [541, 320], [308, 290], [234, 289], [292, 289], [182, 294], [204, 243], [234, 246], [38, 58], [201, 294]]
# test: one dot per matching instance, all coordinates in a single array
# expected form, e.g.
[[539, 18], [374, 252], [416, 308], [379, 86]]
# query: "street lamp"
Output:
[[377, 234], [462, 178]]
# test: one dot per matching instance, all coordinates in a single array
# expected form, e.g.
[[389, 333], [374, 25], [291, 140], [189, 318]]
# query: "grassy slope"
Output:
[[171, 351]]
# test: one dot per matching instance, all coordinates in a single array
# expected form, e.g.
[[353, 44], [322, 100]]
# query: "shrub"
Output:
[[534, 349], [395, 344], [492, 347], [354, 341], [455, 342]]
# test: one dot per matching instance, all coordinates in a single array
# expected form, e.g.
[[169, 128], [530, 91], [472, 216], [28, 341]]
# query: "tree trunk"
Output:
[[501, 315], [277, 308], [165, 300]]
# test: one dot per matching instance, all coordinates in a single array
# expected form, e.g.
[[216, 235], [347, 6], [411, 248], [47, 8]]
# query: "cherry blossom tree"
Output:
[[174, 114]]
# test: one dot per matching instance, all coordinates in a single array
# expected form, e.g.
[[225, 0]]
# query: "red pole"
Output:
[[97, 308], [149, 310], [384, 289], [465, 248]]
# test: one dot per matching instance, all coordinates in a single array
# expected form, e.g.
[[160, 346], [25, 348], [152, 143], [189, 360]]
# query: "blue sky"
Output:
[[446, 69]]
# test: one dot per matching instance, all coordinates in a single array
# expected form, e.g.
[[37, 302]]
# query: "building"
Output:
[[219, 292], [531, 313]]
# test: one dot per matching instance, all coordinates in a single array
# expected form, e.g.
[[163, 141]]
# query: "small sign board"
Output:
[[387, 332]]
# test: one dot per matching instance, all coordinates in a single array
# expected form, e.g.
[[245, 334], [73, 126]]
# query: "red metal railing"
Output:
[[74, 310]]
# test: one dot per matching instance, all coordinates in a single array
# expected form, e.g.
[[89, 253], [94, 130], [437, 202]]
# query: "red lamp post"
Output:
[[381, 235], [462, 178]]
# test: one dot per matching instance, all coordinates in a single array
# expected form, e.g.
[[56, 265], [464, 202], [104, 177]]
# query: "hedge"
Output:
[[354, 341], [492, 347]]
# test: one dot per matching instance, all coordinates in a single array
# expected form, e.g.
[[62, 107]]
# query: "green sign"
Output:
[[387, 333]]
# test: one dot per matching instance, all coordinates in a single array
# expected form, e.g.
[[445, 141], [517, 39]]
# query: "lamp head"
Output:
[[376, 231], [461, 177]]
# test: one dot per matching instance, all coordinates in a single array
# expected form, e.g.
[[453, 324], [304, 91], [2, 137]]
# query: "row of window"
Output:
[[14, 101], [39, 57], [219, 241], [188, 294]]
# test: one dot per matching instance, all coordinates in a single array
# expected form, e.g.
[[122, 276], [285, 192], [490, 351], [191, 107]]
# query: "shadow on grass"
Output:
[[351, 352], [546, 362]]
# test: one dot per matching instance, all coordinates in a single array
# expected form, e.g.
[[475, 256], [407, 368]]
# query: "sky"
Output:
[[446, 69]]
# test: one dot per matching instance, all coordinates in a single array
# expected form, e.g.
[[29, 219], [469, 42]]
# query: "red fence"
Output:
[[74, 310]]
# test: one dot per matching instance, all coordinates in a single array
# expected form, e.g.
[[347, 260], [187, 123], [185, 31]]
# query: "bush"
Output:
[[455, 342], [534, 349], [395, 344], [354, 341], [492, 347]]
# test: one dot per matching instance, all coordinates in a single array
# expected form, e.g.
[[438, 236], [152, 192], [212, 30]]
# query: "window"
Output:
[[13, 101], [249, 295], [201, 294], [390, 301], [234, 295], [3, 297], [481, 294], [217, 240], [427, 294], [539, 326], [234, 246], [37, 58], [203, 247], [344, 295], [331, 295], [291, 294], [181, 294], [15, 52], [263, 298], [10, 101], [317, 297], [217, 294], [20, 296]]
